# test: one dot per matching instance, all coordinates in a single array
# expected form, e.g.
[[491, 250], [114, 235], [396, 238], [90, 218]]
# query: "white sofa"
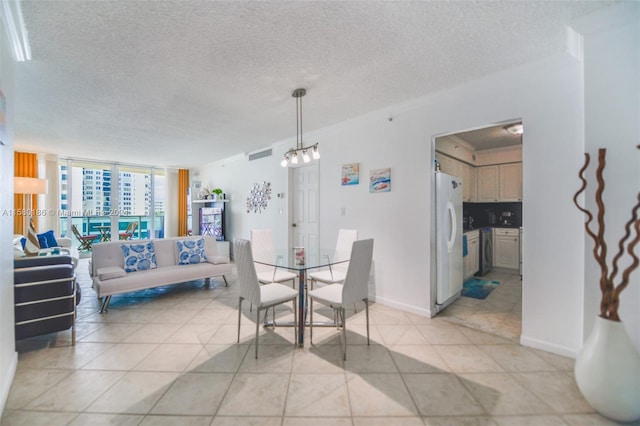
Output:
[[64, 244], [109, 275]]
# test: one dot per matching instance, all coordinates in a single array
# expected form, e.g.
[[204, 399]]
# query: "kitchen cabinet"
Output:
[[488, 184], [471, 262], [468, 182], [511, 182], [506, 248], [501, 182], [467, 173]]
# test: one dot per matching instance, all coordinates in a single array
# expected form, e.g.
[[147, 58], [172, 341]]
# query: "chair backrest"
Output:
[[131, 228], [262, 246], [75, 231], [247, 279], [356, 283], [346, 237]]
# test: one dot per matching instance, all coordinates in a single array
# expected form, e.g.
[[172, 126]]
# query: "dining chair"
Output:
[[262, 296], [128, 233], [336, 273], [354, 289], [262, 245], [85, 240]]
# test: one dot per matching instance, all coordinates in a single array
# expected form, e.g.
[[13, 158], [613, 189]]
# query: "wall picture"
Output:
[[350, 174], [380, 180]]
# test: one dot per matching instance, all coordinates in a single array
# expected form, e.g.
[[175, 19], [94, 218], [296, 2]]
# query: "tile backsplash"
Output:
[[490, 214]]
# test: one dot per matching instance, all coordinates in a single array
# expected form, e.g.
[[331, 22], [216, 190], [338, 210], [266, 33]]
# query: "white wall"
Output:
[[548, 98], [8, 355], [612, 121]]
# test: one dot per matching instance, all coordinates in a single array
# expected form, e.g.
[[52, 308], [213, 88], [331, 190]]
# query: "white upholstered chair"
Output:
[[336, 273], [354, 289], [262, 246], [261, 296]]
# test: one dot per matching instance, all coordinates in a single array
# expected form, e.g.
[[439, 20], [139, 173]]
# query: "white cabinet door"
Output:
[[488, 183], [468, 182], [506, 248], [511, 182], [471, 262], [447, 165]]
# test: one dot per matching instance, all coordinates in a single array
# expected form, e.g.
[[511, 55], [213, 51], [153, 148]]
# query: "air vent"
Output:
[[260, 154]]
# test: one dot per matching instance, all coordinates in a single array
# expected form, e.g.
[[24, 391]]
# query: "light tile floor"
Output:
[[500, 313], [169, 357]]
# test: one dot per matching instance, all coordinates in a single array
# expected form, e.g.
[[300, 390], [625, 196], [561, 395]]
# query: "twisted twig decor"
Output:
[[610, 292]]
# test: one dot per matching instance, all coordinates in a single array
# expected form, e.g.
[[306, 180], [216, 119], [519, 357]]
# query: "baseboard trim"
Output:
[[548, 347], [7, 381], [403, 307]]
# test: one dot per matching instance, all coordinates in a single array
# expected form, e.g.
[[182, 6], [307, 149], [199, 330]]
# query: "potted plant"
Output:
[[218, 194], [607, 369]]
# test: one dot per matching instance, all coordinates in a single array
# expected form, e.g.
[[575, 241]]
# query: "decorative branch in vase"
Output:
[[610, 292], [607, 369]]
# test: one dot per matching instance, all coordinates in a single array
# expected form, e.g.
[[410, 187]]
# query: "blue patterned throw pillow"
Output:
[[139, 257], [191, 251]]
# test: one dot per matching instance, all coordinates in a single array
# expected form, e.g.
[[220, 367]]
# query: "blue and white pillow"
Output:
[[139, 257], [191, 251]]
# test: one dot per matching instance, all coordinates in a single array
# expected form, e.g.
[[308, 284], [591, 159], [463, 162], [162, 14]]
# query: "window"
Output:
[[88, 197]]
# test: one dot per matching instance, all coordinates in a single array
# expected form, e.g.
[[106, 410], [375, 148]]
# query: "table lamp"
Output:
[[28, 187]]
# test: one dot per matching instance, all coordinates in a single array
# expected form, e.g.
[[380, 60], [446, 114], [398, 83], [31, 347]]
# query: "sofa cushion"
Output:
[[47, 239], [111, 272], [31, 246], [191, 251], [139, 257]]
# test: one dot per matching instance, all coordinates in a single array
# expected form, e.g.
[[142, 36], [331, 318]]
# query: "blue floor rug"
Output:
[[478, 288]]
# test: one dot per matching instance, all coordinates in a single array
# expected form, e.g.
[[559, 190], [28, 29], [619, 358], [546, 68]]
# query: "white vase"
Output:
[[608, 371]]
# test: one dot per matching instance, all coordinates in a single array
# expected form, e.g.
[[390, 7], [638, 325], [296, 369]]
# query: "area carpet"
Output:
[[478, 288]]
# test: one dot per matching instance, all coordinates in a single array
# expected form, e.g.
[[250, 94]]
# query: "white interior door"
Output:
[[304, 221]]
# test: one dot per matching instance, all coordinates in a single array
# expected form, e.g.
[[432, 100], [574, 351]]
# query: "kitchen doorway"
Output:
[[488, 160]]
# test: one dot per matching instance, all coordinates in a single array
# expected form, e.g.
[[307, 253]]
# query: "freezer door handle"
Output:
[[454, 229]]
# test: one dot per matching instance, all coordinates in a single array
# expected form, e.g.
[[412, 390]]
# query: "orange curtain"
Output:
[[25, 165], [183, 187]]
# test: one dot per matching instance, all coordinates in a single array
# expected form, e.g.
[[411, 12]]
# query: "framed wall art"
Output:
[[350, 174], [380, 180]]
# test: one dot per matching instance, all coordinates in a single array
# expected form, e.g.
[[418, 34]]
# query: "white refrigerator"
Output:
[[449, 269]]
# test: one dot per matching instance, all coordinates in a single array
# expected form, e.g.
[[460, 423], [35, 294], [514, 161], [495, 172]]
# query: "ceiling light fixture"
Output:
[[292, 156], [515, 129]]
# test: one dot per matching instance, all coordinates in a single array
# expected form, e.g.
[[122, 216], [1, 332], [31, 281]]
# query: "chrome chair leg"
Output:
[[366, 307], [239, 317], [311, 322], [295, 323], [258, 326]]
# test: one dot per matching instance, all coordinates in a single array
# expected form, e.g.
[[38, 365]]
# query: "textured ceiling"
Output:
[[182, 83]]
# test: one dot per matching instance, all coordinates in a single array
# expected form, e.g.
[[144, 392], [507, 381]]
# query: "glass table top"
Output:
[[287, 259]]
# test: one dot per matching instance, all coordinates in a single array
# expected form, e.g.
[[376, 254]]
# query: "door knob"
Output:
[[294, 225]]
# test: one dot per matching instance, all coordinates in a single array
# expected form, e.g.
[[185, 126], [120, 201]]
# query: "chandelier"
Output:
[[294, 155]]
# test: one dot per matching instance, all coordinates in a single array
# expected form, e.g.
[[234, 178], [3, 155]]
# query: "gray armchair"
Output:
[[45, 295]]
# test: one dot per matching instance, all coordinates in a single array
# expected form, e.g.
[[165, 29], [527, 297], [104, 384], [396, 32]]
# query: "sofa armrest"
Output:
[[110, 272], [216, 260], [30, 262], [64, 241]]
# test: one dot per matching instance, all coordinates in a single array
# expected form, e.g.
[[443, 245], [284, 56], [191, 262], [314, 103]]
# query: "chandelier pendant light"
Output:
[[300, 152]]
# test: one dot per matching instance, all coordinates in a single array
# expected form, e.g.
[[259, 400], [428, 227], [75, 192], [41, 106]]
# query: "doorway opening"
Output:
[[488, 163]]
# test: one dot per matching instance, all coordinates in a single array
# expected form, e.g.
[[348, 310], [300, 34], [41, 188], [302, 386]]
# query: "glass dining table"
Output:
[[287, 259]]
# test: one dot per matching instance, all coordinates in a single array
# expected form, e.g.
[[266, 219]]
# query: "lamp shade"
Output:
[[26, 185]]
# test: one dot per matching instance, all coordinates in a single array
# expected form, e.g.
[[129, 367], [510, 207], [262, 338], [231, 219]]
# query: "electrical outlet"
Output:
[[343, 211]]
